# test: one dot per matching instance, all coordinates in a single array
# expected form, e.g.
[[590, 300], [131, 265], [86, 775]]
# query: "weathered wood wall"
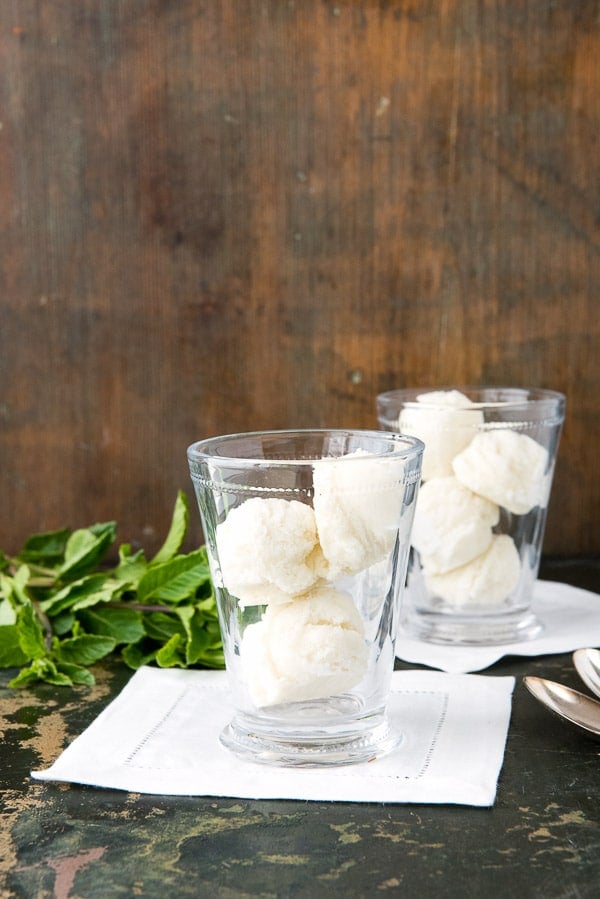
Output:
[[224, 215]]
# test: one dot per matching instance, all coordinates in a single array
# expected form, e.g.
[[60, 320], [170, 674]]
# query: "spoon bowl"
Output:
[[570, 705], [587, 664]]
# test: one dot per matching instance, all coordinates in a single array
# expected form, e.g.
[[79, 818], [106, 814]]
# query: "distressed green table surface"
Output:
[[542, 837]]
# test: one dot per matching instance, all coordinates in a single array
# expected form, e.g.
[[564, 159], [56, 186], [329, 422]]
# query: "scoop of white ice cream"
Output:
[[358, 506], [268, 550], [452, 524], [306, 649], [507, 468], [451, 398], [489, 578], [444, 422]]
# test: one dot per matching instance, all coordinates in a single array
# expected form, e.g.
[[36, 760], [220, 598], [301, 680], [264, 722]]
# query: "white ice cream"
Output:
[[446, 424], [507, 468], [488, 579], [269, 550], [306, 649], [452, 524], [358, 504]]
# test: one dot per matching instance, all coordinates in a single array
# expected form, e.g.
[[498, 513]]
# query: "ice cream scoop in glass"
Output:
[[489, 459], [308, 534]]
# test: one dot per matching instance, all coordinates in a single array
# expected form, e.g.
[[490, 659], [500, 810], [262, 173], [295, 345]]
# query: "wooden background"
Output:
[[221, 216]]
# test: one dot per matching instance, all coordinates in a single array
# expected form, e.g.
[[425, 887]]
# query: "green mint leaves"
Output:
[[62, 609]]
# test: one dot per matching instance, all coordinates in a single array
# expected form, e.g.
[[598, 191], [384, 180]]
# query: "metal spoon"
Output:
[[587, 664], [568, 704]]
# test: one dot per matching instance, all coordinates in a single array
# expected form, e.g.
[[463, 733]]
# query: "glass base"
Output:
[[314, 748], [474, 630]]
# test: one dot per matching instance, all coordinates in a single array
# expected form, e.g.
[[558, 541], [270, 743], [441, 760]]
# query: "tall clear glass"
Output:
[[488, 464], [308, 534]]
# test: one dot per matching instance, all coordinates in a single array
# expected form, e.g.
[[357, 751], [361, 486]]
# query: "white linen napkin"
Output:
[[161, 735], [571, 619]]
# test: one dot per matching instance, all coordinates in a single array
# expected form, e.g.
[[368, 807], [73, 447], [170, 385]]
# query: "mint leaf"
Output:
[[76, 673], [161, 626], [137, 654], [14, 589], [204, 642], [46, 548], [110, 590], [80, 594], [41, 669], [85, 548], [24, 677], [130, 567], [63, 623], [31, 634], [11, 654], [179, 525], [175, 581], [7, 613], [169, 655], [85, 649], [122, 624], [203, 636]]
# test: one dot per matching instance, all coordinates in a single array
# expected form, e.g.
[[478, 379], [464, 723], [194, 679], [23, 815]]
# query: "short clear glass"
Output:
[[488, 464], [308, 534]]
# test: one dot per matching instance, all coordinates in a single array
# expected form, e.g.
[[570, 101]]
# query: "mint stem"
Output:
[[140, 607], [15, 564], [45, 622]]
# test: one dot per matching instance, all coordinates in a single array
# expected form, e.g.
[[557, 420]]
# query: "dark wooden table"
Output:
[[541, 838]]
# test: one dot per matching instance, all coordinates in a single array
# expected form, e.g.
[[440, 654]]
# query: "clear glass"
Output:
[[489, 459], [308, 534]]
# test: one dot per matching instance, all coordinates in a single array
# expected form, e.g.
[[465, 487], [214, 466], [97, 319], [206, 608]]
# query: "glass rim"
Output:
[[408, 447], [516, 396]]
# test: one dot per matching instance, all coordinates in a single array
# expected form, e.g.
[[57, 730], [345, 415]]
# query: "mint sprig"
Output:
[[62, 609]]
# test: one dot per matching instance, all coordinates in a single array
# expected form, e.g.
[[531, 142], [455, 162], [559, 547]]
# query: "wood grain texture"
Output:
[[222, 216]]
